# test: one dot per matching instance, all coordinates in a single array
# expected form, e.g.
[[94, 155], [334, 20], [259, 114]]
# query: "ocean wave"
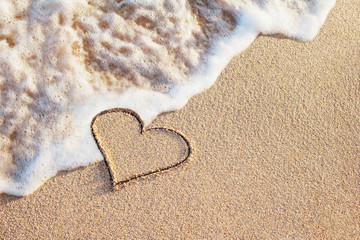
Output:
[[62, 62]]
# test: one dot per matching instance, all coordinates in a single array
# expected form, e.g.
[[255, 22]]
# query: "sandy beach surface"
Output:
[[276, 155]]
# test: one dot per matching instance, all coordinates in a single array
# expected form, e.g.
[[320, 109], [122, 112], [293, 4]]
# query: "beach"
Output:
[[275, 155]]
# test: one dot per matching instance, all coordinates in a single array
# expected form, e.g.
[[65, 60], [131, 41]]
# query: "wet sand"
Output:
[[276, 155]]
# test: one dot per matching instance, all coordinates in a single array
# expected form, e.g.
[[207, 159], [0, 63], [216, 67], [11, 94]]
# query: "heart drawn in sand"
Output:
[[132, 151]]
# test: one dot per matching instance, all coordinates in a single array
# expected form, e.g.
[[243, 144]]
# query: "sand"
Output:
[[276, 155]]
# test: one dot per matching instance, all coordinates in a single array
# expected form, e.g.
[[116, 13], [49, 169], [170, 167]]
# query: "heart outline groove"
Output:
[[143, 130]]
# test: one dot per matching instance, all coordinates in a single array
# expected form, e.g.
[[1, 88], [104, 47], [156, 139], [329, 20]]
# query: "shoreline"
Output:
[[276, 155]]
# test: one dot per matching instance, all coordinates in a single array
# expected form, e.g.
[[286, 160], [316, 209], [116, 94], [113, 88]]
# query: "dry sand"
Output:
[[277, 155]]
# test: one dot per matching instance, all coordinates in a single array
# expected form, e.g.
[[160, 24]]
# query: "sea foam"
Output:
[[62, 62]]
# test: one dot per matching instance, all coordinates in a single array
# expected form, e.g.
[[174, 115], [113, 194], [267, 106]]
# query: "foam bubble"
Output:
[[62, 62]]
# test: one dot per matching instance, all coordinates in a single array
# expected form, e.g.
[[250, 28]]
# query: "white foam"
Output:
[[62, 62]]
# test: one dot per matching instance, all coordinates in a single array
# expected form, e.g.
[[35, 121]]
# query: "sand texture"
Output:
[[276, 156]]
